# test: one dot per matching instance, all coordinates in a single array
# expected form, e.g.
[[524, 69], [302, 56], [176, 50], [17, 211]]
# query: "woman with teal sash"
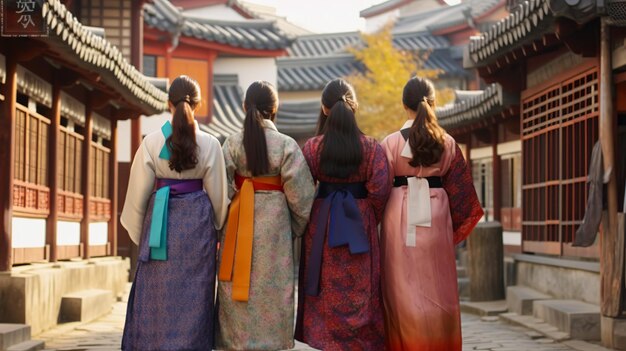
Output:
[[170, 306]]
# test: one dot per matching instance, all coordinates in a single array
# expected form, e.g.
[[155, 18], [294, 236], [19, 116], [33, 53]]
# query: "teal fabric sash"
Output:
[[158, 226]]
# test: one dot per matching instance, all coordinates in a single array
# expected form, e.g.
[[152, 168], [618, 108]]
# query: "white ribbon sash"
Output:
[[418, 202]]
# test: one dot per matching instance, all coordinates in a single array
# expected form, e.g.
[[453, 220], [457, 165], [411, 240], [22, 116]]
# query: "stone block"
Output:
[[32, 294], [86, 305], [487, 308], [578, 319], [31, 345], [11, 334], [519, 299]]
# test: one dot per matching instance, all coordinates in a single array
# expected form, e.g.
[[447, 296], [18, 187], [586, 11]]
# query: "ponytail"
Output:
[[184, 94], [261, 102], [341, 153], [426, 137], [254, 143]]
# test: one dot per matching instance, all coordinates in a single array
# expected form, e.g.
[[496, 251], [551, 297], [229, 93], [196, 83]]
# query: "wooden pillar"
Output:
[[497, 176], [486, 262], [135, 136], [113, 190], [86, 166], [53, 166], [612, 244], [137, 61], [7, 141]]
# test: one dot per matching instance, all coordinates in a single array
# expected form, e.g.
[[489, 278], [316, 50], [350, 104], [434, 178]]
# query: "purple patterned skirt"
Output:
[[170, 306]]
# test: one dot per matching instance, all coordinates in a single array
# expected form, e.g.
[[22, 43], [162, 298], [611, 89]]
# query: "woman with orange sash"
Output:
[[340, 303], [170, 306], [272, 191], [433, 206]]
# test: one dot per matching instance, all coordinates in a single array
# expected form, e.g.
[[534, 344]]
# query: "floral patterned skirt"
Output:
[[170, 306]]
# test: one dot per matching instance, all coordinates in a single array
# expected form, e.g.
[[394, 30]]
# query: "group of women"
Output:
[[361, 286]]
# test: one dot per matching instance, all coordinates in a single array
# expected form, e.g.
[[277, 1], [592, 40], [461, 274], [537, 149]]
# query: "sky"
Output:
[[324, 16]]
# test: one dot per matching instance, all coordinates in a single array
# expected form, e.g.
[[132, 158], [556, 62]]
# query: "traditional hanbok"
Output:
[[170, 306], [256, 275], [430, 210], [340, 303]]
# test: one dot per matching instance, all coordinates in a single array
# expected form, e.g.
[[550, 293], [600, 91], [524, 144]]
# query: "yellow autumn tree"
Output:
[[379, 88]]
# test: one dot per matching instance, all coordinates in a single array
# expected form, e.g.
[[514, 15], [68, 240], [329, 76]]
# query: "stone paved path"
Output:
[[486, 333]]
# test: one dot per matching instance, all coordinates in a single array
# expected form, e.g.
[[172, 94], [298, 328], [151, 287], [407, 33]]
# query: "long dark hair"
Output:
[[426, 137], [184, 94], [341, 150], [261, 102]]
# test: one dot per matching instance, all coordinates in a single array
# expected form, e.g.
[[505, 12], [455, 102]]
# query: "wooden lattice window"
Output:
[[112, 15], [69, 152], [482, 170], [30, 192], [559, 129], [100, 208]]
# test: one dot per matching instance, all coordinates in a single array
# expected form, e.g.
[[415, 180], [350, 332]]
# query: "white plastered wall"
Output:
[[247, 69]]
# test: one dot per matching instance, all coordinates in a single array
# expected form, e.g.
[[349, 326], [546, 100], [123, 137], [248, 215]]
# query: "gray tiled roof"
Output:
[[446, 16], [529, 21], [248, 34], [296, 74], [419, 41], [312, 73], [80, 46], [323, 44], [382, 7], [473, 106], [298, 118], [228, 114], [317, 45]]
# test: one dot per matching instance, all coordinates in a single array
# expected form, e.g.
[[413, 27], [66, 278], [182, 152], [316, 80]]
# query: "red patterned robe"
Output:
[[348, 313]]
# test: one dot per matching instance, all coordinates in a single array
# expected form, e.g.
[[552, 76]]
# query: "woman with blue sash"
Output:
[[176, 201], [272, 193], [340, 304]]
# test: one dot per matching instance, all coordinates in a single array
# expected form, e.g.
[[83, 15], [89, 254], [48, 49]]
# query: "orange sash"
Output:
[[237, 249]]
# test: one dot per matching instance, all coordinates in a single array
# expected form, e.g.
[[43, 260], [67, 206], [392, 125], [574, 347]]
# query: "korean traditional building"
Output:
[[62, 98], [554, 83], [431, 27]]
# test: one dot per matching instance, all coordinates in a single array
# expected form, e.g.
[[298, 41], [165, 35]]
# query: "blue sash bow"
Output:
[[340, 216]]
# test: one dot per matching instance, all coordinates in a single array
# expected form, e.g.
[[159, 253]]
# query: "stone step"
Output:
[[31, 345], [86, 305], [520, 299], [461, 272], [11, 334], [530, 322], [579, 319], [464, 288], [487, 308]]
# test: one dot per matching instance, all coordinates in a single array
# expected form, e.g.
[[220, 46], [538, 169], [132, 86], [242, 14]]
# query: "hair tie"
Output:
[[344, 98], [185, 99]]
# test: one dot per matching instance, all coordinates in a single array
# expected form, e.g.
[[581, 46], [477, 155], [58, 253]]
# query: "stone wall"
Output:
[[561, 282], [32, 294]]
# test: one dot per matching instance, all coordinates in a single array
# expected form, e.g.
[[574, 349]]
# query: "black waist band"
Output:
[[358, 190], [433, 182]]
